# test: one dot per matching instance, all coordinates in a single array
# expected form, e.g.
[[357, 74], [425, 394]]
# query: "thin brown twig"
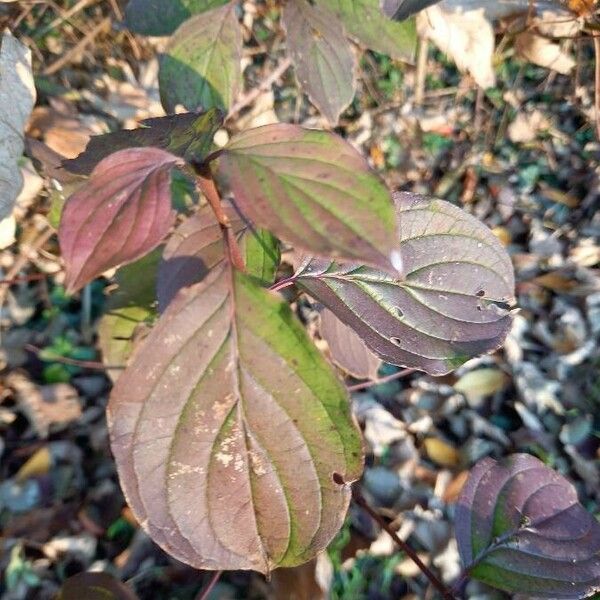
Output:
[[368, 384], [84, 364], [203, 595], [251, 96], [446, 593], [57, 65], [597, 84]]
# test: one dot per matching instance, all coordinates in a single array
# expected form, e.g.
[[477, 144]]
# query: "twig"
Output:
[[251, 96], [203, 595], [84, 364], [367, 384], [422, 52], [597, 84], [446, 593], [68, 56]]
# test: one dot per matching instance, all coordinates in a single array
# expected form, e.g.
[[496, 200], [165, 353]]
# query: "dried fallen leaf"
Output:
[[17, 97], [441, 453]]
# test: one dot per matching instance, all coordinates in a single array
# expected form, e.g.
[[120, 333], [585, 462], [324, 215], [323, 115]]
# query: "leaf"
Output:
[[201, 68], [365, 21], [196, 248], [17, 97], [95, 586], [480, 383], [131, 308], [118, 331], [451, 304], [347, 349], [541, 51], [228, 429], [402, 9], [312, 189], [187, 135], [157, 17], [466, 37], [323, 59], [520, 528], [123, 212]]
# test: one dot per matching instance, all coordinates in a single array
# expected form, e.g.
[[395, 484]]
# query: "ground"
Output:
[[521, 156]]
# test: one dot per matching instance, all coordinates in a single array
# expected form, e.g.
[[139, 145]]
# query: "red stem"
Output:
[[207, 186], [446, 593], [203, 595], [392, 377]]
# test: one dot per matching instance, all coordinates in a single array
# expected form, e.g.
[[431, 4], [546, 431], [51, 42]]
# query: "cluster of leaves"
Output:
[[198, 415], [233, 436], [200, 68]]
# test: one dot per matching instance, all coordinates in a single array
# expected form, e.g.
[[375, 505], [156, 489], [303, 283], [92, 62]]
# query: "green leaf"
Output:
[[261, 252], [187, 135], [130, 307], [323, 59], [228, 429], [313, 189], [365, 21], [201, 66], [157, 17]]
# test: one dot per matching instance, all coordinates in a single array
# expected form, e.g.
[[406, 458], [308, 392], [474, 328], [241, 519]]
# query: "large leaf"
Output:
[[157, 17], [228, 429], [187, 135], [313, 189], [201, 66], [520, 528], [450, 304], [17, 97], [365, 21], [196, 247], [323, 59], [95, 586], [120, 214]]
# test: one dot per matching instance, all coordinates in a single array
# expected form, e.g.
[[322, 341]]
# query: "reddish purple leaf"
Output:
[[451, 304], [120, 214], [520, 528], [347, 349], [194, 249], [228, 428]]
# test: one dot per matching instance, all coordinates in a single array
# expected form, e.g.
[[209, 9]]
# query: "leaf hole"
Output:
[[338, 479], [396, 341], [399, 312], [480, 293]]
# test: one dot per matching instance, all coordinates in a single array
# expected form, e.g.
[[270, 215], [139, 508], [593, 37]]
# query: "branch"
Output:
[[446, 593]]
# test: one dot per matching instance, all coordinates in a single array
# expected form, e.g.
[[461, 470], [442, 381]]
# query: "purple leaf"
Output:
[[227, 430], [347, 349], [120, 214], [452, 302], [196, 248], [520, 528], [313, 189], [323, 58]]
